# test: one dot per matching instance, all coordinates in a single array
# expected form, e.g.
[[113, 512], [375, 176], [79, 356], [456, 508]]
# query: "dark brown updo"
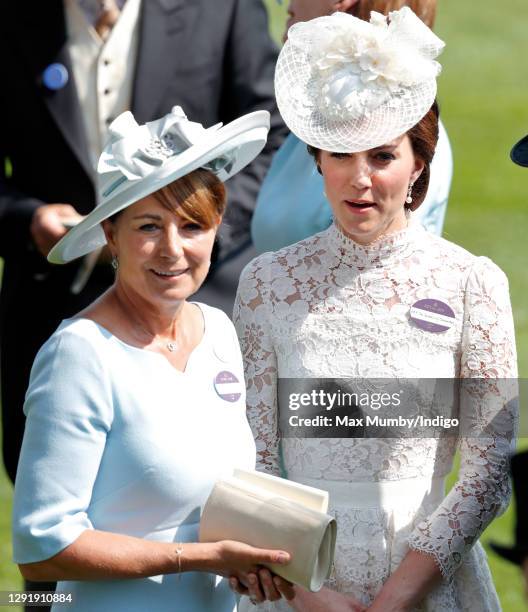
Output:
[[424, 9], [424, 137]]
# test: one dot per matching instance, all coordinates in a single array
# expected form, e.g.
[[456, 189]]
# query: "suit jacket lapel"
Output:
[[63, 105], [164, 31], [46, 27]]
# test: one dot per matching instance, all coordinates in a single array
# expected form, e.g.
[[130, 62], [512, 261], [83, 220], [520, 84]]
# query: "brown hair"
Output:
[[425, 9], [423, 137], [199, 197]]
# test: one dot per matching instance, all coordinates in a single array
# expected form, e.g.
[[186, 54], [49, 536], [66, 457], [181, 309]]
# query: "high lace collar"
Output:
[[387, 249]]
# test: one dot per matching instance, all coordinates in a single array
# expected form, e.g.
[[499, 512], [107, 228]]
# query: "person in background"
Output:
[[291, 204], [72, 66], [376, 298], [129, 423], [518, 553]]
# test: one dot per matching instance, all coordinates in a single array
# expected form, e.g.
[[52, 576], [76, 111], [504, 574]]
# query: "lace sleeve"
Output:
[[260, 363], [488, 418]]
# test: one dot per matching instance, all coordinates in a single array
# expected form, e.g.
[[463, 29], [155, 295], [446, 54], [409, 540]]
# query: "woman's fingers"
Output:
[[254, 591], [264, 586], [279, 557], [252, 580], [285, 588], [236, 556], [268, 586], [261, 587], [237, 586]]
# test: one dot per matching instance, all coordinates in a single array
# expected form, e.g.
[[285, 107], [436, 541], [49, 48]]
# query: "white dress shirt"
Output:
[[103, 70]]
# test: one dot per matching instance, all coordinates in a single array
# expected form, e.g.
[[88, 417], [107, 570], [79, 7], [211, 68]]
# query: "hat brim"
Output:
[[519, 153], [513, 554], [246, 135]]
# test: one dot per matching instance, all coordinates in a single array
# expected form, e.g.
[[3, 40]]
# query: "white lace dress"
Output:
[[328, 307]]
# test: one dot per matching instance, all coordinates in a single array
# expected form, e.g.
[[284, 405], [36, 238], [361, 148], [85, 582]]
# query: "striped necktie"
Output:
[[108, 15]]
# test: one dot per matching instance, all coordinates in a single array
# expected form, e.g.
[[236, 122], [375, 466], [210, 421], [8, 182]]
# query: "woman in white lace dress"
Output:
[[338, 305]]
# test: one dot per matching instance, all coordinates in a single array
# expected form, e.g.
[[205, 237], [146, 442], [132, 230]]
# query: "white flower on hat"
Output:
[[344, 84], [357, 66]]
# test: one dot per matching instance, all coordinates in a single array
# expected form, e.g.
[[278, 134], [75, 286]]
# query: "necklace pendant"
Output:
[[171, 346]]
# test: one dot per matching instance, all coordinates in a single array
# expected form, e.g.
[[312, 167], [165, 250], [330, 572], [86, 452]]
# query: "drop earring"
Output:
[[115, 263], [408, 199]]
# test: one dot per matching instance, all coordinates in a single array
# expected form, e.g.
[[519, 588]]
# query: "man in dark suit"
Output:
[[215, 59]]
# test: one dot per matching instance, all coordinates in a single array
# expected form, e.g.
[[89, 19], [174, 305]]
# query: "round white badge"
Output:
[[227, 386], [432, 315]]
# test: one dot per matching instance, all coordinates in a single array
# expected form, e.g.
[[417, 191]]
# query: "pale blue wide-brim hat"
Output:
[[140, 159]]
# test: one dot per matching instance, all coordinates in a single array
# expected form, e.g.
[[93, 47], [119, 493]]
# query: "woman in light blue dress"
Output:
[[136, 406]]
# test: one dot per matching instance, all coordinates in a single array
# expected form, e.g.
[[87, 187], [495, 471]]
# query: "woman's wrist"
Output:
[[196, 557], [298, 603], [391, 600], [414, 578]]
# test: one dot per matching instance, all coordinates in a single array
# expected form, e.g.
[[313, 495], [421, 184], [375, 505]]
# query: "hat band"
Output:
[[114, 186]]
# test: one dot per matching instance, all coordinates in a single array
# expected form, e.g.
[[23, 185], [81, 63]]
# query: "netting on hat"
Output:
[[346, 85]]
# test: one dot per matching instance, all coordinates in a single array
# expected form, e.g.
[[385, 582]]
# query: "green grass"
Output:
[[484, 102], [10, 579]]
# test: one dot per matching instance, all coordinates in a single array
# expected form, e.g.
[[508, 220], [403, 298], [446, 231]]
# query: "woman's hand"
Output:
[[243, 565], [236, 558], [263, 586], [413, 579], [325, 600]]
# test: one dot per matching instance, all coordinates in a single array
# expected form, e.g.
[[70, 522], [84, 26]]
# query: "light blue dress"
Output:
[[291, 205], [118, 440]]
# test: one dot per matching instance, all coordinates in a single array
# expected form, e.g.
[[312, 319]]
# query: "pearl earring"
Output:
[[408, 199]]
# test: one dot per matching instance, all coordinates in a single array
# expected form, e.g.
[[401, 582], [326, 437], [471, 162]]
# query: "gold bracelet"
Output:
[[179, 551]]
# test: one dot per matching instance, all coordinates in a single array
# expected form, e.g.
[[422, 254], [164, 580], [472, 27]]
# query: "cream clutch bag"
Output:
[[270, 512]]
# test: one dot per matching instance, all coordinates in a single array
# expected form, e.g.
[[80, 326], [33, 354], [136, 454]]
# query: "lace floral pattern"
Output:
[[328, 307]]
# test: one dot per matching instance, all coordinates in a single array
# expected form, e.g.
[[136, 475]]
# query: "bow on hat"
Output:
[[134, 151]]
